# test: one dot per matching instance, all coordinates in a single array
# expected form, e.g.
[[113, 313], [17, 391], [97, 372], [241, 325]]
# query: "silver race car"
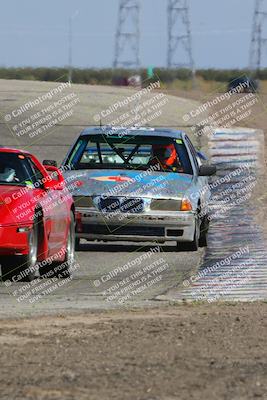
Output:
[[139, 184]]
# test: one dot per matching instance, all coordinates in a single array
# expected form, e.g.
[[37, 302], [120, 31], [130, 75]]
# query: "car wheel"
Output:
[[9, 268], [77, 244], [204, 227], [24, 266], [63, 269], [190, 246]]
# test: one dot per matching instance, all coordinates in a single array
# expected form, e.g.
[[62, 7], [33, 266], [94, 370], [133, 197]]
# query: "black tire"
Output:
[[12, 267], [9, 268], [77, 243], [63, 269], [204, 227]]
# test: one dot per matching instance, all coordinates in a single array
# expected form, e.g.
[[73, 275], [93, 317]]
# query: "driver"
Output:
[[166, 156], [7, 174]]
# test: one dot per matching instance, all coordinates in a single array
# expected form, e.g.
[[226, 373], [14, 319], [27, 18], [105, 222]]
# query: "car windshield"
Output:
[[15, 170], [129, 152]]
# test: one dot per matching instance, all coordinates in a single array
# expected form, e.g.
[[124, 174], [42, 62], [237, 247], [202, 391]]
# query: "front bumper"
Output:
[[150, 226], [12, 241]]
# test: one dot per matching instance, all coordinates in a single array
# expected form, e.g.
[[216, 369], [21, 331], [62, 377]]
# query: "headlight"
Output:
[[165, 205], [83, 201]]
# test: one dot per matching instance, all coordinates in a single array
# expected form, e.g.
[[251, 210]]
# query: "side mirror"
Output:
[[207, 170], [51, 163], [56, 181], [202, 156]]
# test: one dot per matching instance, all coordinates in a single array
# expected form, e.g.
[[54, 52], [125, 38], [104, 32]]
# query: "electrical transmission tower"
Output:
[[179, 36], [259, 35], [128, 35]]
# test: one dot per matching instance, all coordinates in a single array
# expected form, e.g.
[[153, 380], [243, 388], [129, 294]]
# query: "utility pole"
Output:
[[127, 46], [70, 50], [70, 36], [180, 54], [258, 41]]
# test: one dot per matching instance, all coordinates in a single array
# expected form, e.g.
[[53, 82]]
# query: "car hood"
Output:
[[128, 183]]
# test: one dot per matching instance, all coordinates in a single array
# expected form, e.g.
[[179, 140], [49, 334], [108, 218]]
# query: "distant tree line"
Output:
[[115, 76]]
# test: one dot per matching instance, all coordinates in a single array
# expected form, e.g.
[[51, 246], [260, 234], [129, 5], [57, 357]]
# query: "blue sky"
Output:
[[34, 32]]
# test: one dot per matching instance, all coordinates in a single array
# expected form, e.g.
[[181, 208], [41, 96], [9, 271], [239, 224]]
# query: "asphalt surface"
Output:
[[97, 286], [124, 275], [143, 280]]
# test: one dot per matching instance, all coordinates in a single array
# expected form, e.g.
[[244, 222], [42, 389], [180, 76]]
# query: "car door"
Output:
[[55, 210], [200, 182]]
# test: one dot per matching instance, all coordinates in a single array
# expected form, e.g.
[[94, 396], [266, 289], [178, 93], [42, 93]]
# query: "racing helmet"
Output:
[[7, 174], [166, 154]]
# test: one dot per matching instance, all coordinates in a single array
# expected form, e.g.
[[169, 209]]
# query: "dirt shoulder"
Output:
[[182, 352]]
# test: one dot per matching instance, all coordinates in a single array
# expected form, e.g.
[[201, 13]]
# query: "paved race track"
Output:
[[108, 275], [97, 285], [95, 261]]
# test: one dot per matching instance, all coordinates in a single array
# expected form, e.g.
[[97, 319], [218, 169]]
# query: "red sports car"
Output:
[[37, 219]]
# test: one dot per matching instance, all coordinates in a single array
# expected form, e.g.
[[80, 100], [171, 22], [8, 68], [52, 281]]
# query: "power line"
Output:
[[127, 46], [180, 54], [258, 41], [70, 37]]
